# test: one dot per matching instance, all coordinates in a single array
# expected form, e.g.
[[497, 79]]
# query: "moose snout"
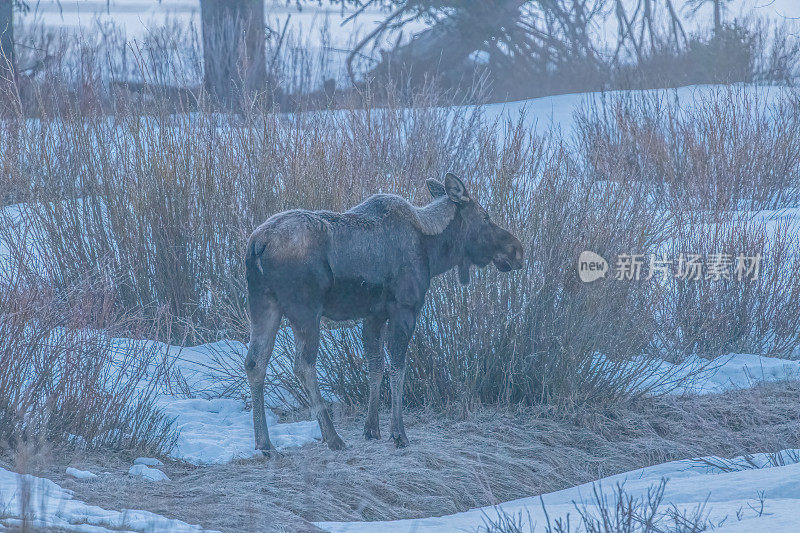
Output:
[[510, 257]]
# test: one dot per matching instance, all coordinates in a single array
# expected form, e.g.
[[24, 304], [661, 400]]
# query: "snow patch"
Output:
[[80, 474], [147, 461], [150, 474], [53, 507], [221, 430]]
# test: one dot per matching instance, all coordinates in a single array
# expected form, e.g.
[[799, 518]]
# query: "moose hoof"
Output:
[[372, 433], [271, 453], [336, 443], [401, 441]]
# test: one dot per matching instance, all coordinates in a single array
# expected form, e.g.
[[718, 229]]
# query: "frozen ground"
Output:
[[50, 507], [731, 500]]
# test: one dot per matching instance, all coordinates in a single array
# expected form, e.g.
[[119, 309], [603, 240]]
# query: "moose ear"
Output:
[[436, 188], [455, 188]]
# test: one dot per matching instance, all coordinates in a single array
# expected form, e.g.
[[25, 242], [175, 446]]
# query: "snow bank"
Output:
[[727, 372], [732, 500], [52, 507]]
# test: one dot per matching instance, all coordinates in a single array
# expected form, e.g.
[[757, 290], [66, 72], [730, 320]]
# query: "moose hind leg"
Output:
[[306, 338], [401, 327], [373, 351], [264, 322]]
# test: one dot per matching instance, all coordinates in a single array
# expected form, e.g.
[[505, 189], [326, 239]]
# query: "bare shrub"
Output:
[[734, 149], [66, 382], [158, 206], [161, 206], [619, 513], [538, 335], [757, 312]]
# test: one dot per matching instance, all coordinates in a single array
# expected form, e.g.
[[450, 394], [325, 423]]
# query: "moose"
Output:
[[373, 262]]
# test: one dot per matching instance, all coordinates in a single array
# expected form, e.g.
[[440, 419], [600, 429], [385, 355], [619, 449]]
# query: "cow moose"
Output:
[[373, 262]]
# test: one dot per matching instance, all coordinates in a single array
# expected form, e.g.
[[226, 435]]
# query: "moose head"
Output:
[[483, 241]]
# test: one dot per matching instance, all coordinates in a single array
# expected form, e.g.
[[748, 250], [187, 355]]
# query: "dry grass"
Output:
[[457, 460]]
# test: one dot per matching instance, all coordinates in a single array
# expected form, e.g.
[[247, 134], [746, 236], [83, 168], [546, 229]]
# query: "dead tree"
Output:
[[233, 50], [527, 35]]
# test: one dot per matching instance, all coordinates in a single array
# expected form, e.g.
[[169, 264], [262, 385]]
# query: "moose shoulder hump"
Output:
[[431, 219]]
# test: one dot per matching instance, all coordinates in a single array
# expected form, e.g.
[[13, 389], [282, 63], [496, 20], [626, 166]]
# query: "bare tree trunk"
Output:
[[717, 16], [233, 49], [6, 40]]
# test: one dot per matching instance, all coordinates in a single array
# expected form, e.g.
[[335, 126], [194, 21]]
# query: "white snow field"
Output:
[[731, 501], [50, 507]]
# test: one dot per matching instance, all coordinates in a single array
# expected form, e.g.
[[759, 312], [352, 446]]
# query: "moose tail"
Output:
[[254, 269]]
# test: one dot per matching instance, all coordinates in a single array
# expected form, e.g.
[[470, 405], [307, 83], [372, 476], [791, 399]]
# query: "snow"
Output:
[[213, 430], [738, 371], [80, 474], [221, 430], [52, 507], [150, 474], [147, 461], [696, 376], [559, 111], [731, 499]]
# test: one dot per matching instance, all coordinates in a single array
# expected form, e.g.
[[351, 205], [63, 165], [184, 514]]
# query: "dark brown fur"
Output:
[[373, 262]]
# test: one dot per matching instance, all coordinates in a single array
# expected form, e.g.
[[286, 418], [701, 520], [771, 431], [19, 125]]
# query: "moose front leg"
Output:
[[401, 327], [373, 351]]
